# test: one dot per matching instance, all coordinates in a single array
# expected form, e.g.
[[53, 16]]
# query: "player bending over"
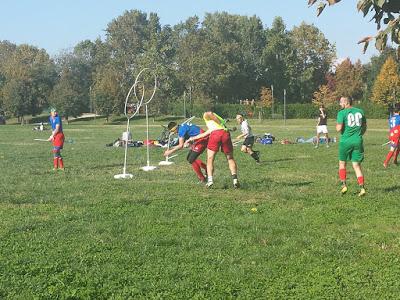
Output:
[[394, 135], [185, 131], [352, 124], [247, 135], [219, 137], [57, 137]]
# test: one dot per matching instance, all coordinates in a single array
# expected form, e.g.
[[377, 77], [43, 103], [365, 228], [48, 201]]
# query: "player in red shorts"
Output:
[[57, 138], [185, 131], [219, 138], [394, 136]]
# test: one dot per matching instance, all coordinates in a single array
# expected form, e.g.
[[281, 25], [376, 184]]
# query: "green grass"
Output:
[[81, 234]]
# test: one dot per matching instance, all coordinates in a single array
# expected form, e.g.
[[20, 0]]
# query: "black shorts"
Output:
[[249, 141], [192, 156]]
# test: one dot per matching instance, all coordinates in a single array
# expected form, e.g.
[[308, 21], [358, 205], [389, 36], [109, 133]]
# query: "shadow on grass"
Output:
[[277, 160], [395, 188]]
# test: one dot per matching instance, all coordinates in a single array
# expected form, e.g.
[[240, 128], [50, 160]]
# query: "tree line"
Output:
[[221, 59]]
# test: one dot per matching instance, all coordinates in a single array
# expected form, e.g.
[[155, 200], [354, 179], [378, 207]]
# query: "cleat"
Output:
[[362, 192], [316, 147], [395, 163], [61, 169], [327, 146], [236, 184], [385, 165], [343, 190], [209, 184]]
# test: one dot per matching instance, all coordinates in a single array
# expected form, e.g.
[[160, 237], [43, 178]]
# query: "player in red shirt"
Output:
[[57, 138], [394, 136]]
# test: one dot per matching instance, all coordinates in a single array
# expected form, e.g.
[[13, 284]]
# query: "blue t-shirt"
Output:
[[186, 131], [54, 121], [394, 121]]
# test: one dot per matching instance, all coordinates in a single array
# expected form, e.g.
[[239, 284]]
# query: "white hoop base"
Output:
[[165, 163], [123, 176], [148, 168]]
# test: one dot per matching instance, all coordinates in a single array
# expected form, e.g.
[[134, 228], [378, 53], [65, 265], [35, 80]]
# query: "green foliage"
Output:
[[83, 235], [387, 85], [383, 11]]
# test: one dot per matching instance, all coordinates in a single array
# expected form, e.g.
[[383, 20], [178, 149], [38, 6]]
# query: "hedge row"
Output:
[[293, 110]]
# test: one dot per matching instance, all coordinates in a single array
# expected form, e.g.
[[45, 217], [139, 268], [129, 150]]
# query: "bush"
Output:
[[293, 110]]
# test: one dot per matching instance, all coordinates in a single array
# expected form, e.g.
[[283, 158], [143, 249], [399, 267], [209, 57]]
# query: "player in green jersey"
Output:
[[352, 124]]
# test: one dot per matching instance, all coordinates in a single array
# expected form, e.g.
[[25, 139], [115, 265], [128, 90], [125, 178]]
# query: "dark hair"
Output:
[[171, 125]]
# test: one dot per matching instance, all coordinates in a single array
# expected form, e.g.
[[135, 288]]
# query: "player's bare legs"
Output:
[[233, 168], [317, 141], [327, 140], [210, 166]]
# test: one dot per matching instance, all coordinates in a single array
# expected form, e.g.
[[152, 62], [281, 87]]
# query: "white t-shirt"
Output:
[[246, 129]]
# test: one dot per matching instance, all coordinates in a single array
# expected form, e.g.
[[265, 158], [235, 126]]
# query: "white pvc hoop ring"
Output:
[[136, 83]]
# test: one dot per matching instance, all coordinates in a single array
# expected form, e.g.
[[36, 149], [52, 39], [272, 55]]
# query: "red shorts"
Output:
[[58, 140], [394, 136], [220, 138], [200, 145]]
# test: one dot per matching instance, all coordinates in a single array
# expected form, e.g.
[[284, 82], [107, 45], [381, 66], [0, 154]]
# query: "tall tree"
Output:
[[278, 58], [349, 79], [387, 84], [33, 69], [314, 57]]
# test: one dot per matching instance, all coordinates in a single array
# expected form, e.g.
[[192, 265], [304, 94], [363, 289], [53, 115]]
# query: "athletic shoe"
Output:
[[316, 147], [395, 162], [343, 190], [236, 184], [362, 192], [209, 184], [385, 165], [327, 146]]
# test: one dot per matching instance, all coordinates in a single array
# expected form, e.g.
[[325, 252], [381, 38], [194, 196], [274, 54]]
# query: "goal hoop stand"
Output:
[[148, 167], [129, 115]]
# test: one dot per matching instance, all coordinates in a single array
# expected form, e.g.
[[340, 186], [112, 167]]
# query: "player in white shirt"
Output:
[[247, 135]]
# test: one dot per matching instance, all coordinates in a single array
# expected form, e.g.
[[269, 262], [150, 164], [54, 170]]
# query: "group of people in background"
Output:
[[351, 123]]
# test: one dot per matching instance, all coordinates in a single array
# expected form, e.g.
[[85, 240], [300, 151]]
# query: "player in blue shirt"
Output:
[[57, 138], [186, 131], [394, 136]]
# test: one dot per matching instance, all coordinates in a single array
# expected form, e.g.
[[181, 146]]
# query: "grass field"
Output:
[[80, 234]]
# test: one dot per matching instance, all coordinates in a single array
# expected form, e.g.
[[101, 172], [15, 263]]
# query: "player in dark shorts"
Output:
[[247, 134], [185, 131], [352, 124], [57, 138]]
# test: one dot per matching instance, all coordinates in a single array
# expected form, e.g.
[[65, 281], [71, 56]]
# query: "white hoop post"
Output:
[[148, 167], [125, 175]]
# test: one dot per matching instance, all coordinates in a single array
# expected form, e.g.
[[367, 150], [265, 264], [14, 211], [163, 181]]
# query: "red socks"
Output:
[[342, 175], [388, 157], [360, 180], [55, 162], [201, 164], [61, 163], [197, 165]]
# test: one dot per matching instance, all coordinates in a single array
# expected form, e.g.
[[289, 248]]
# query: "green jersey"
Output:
[[353, 120]]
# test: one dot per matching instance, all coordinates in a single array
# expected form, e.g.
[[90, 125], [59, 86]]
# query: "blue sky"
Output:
[[56, 25]]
